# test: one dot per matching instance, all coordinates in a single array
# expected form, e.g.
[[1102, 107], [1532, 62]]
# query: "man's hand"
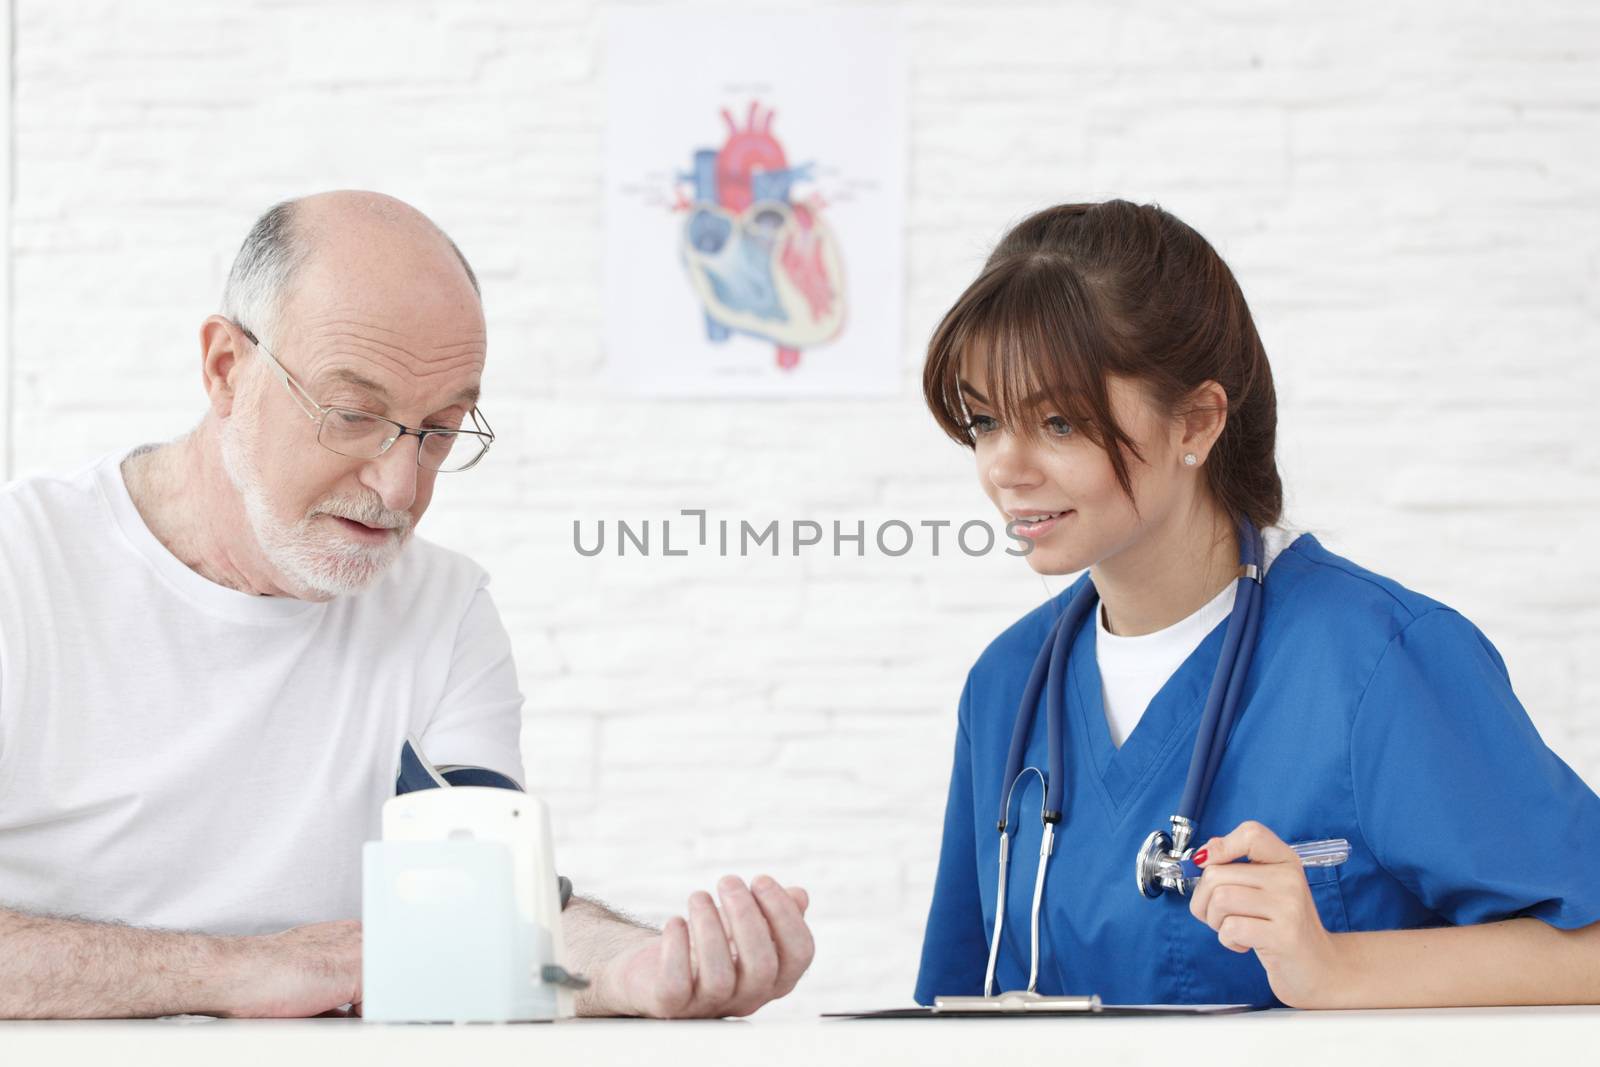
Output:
[[294, 974], [1266, 905], [717, 962]]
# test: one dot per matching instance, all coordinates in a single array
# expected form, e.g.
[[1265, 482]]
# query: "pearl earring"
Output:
[[1190, 459]]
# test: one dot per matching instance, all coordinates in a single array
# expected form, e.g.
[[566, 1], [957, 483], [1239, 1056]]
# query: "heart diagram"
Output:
[[761, 262]]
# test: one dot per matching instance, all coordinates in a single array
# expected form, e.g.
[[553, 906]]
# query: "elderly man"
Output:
[[213, 650]]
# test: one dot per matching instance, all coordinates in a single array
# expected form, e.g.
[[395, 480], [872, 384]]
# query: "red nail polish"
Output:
[[1200, 858]]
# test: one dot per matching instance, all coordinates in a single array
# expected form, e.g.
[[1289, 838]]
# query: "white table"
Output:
[[1522, 1037]]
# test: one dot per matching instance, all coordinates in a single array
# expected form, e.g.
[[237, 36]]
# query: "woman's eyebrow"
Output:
[[1027, 401]]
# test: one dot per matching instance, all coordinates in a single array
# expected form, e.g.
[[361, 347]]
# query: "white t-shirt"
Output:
[[175, 753], [1133, 669]]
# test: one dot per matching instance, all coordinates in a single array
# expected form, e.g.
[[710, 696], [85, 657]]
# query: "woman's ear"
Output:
[[221, 341], [1203, 417]]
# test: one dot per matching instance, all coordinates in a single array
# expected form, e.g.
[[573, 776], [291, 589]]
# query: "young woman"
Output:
[[1106, 373]]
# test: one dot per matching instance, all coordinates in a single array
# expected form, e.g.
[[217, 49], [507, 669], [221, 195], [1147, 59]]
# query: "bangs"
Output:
[[1030, 331]]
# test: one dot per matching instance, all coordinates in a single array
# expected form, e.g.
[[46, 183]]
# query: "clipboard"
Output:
[[1019, 1005]]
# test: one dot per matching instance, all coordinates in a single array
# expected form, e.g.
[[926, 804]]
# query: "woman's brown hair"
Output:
[[1078, 292]]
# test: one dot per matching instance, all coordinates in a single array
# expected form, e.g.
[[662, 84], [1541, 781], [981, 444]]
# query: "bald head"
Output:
[[347, 230]]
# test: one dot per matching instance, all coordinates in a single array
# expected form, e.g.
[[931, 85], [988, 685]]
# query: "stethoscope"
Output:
[[1159, 866]]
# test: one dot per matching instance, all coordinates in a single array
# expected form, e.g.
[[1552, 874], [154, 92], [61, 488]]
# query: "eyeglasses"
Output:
[[363, 435]]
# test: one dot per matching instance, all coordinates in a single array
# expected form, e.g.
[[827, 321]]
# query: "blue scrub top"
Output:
[[1370, 713]]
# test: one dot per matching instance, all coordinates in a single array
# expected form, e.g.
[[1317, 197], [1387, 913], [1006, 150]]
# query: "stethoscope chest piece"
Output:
[[1158, 868]]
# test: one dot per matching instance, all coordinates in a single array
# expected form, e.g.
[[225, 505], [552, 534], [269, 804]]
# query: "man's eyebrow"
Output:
[[359, 380], [468, 396]]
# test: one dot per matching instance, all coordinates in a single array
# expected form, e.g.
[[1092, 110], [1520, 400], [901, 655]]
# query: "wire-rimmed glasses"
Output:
[[362, 435]]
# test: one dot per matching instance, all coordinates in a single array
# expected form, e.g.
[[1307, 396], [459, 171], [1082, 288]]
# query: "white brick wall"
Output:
[[6, 368], [1407, 192]]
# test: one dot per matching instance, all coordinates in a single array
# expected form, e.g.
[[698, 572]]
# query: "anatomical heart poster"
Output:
[[755, 202]]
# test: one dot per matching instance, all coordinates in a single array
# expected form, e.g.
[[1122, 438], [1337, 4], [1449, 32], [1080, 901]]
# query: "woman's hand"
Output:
[[1266, 905]]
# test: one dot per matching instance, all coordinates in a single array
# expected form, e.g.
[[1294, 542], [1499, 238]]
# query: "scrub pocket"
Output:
[[1325, 891]]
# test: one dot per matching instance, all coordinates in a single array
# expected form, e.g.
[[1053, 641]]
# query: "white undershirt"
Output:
[[1133, 669]]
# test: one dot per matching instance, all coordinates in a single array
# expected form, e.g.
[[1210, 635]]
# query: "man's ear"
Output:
[[221, 344], [1204, 415]]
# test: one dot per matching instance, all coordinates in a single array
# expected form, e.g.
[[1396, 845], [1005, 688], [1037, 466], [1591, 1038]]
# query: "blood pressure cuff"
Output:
[[417, 773]]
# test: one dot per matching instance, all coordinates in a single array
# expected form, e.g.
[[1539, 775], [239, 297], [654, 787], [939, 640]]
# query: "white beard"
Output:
[[316, 561]]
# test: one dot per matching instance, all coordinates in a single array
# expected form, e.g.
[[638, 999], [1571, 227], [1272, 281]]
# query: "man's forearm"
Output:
[[595, 936], [1518, 961], [54, 968]]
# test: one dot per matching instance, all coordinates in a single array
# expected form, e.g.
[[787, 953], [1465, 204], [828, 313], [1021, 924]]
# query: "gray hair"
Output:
[[267, 261]]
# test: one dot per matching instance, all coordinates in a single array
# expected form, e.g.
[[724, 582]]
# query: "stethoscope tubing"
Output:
[[1222, 702], [1230, 703]]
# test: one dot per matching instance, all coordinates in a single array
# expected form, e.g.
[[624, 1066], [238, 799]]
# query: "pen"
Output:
[[1329, 852]]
